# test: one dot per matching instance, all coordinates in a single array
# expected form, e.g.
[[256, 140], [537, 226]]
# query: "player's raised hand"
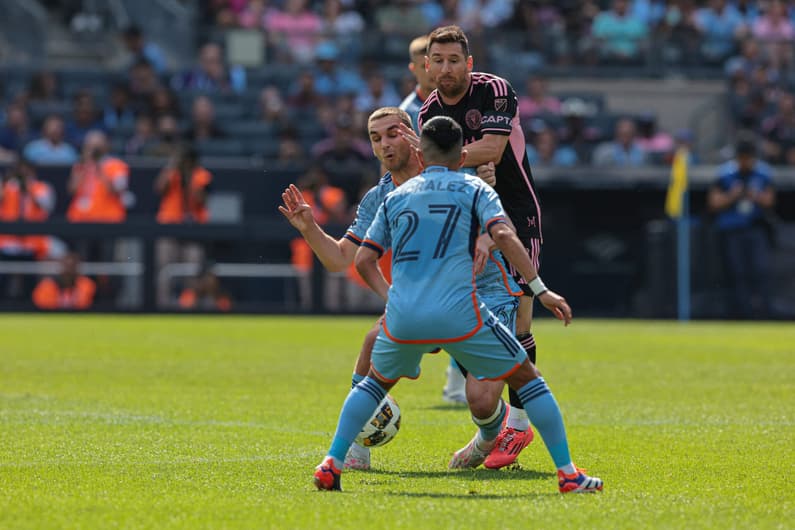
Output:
[[488, 174], [296, 209], [557, 305], [409, 135]]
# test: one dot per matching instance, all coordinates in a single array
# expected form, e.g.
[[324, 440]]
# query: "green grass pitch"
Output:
[[218, 422]]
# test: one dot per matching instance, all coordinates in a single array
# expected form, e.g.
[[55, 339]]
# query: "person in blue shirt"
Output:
[[739, 198], [497, 288], [431, 222]]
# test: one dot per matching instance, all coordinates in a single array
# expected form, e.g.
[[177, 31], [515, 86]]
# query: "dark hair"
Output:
[[441, 136], [746, 143], [133, 32], [447, 34]]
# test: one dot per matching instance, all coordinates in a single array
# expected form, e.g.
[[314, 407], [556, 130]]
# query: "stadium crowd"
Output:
[[329, 63]]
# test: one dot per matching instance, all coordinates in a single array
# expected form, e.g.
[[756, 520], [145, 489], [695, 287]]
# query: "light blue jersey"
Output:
[[432, 222], [495, 284], [412, 105]]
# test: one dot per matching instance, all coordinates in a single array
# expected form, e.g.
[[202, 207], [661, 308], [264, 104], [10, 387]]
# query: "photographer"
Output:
[[741, 198], [98, 184], [183, 186], [23, 197]]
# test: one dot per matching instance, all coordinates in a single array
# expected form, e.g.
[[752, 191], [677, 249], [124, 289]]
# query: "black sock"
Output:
[[528, 342]]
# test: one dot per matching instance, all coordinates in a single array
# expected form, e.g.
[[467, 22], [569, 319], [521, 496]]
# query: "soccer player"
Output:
[[432, 222], [495, 284], [454, 390], [486, 108]]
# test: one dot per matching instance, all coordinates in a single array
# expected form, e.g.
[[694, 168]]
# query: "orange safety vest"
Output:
[[188, 300], [16, 207], [93, 202], [48, 294], [329, 198], [172, 207]]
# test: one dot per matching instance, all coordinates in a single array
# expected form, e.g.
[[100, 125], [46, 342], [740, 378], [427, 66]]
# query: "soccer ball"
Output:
[[382, 426]]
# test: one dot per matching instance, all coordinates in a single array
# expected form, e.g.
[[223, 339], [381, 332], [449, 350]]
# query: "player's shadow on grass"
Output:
[[473, 495], [446, 406], [475, 474]]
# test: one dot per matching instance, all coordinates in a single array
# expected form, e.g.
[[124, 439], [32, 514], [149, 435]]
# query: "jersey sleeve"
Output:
[[365, 213], [488, 207], [499, 108], [378, 237]]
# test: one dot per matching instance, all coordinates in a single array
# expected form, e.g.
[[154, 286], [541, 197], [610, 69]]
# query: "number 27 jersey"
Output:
[[432, 223]]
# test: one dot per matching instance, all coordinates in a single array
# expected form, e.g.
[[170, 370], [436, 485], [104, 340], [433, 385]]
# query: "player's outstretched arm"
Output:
[[512, 248], [334, 254], [366, 261]]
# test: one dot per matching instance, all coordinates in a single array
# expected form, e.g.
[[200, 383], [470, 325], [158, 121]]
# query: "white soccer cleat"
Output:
[[473, 454], [455, 389], [358, 457]]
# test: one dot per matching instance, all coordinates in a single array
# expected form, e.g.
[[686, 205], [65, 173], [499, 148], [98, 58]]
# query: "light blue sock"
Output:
[[544, 413], [356, 379], [360, 404], [490, 427]]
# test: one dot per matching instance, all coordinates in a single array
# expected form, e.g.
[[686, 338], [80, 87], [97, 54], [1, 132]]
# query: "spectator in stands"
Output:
[[344, 25], [15, 133], [290, 148], [164, 102], [254, 15], [143, 138], [331, 80], [473, 15], [576, 132], [98, 184], [223, 13], [68, 290], [272, 107], [721, 27], [203, 124], [139, 48], [679, 32], [168, 138], [142, 83], [43, 87], [744, 63], [118, 114], [740, 198], [23, 197], [51, 148], [620, 36], [658, 145], [293, 31], [538, 100], [778, 130], [205, 292], [211, 74], [776, 33], [85, 118], [183, 187], [545, 151], [624, 151], [379, 93], [302, 94]]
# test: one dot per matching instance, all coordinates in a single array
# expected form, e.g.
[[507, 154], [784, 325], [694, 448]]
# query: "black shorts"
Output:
[[533, 247]]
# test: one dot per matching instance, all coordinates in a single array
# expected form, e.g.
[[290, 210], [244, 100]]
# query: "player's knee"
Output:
[[483, 396]]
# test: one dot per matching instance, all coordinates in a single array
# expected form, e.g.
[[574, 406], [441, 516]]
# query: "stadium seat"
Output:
[[220, 147]]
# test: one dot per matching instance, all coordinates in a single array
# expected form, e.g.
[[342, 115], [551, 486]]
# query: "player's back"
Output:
[[433, 221]]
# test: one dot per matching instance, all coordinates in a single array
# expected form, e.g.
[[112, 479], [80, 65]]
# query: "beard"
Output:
[[451, 87]]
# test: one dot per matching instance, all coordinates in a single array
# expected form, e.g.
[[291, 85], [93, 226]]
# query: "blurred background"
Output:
[[144, 145]]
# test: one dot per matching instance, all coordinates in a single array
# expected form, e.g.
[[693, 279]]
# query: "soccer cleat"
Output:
[[358, 457], [578, 482], [327, 477], [471, 456], [510, 443], [454, 391]]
